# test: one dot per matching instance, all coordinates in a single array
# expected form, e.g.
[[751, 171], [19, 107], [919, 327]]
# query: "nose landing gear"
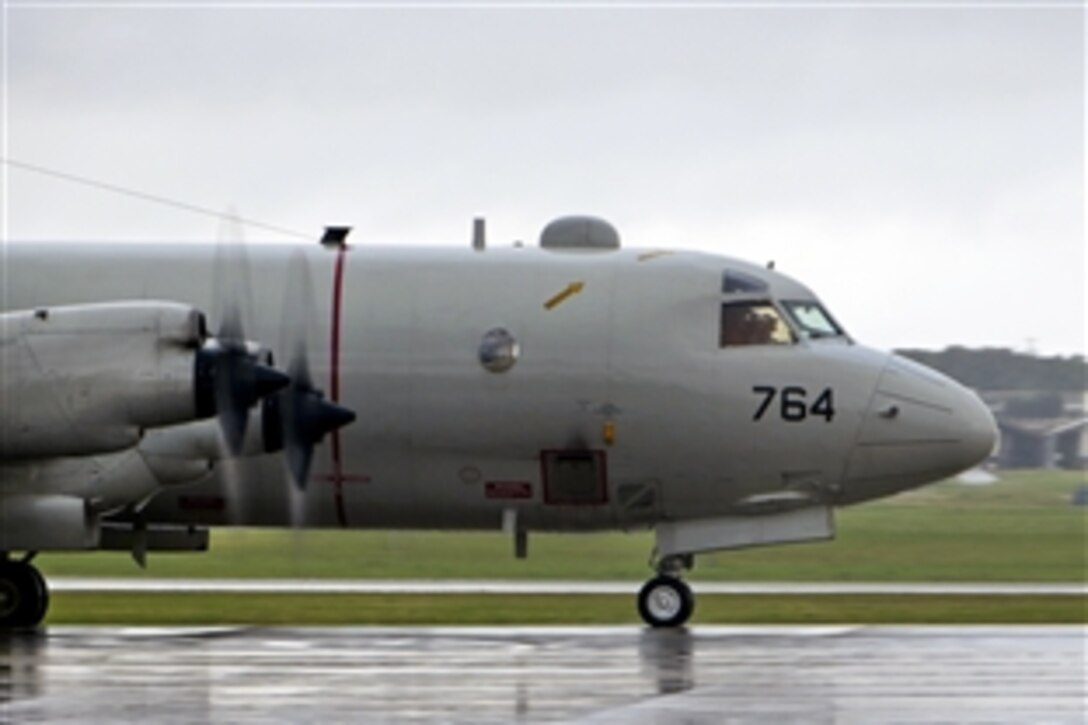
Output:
[[666, 600], [24, 596]]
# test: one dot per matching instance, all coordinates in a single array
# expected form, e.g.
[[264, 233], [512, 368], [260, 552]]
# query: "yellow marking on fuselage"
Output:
[[572, 289], [608, 433]]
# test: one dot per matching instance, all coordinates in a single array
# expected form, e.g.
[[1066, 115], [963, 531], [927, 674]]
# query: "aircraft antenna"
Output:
[[479, 234], [153, 198]]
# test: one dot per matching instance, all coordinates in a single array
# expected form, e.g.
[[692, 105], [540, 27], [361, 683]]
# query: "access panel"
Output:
[[574, 478]]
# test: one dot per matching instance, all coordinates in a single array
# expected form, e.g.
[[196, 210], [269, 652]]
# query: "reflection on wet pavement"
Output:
[[606, 675]]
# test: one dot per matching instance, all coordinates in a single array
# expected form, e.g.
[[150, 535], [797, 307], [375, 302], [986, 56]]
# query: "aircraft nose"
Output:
[[981, 436], [921, 427]]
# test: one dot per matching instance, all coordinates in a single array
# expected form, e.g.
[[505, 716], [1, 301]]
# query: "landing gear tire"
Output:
[[24, 596], [666, 601]]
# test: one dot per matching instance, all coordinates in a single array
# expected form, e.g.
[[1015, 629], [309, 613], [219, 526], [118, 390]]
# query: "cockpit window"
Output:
[[753, 323], [735, 282], [812, 319]]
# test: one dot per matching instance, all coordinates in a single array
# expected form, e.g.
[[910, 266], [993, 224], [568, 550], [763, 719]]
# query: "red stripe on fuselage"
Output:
[[334, 382]]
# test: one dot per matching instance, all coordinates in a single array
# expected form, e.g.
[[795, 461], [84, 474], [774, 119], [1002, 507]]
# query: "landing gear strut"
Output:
[[24, 596], [666, 600]]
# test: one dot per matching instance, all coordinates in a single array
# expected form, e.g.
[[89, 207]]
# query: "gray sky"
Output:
[[921, 168]]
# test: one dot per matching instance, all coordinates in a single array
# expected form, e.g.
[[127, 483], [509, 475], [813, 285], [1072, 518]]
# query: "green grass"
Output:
[[1022, 529], [470, 609]]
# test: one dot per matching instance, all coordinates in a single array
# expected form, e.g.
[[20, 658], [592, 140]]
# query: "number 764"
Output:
[[793, 403]]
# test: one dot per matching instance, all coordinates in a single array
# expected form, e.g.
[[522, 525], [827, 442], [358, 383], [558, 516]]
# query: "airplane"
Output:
[[572, 386]]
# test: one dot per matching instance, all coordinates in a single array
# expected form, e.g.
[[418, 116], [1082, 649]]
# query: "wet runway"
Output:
[[543, 674]]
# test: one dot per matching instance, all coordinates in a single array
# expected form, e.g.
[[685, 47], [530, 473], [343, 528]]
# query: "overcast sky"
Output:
[[921, 168]]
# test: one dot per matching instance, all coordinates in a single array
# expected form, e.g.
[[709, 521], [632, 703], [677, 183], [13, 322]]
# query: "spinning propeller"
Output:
[[230, 379], [234, 374], [298, 416], [230, 375]]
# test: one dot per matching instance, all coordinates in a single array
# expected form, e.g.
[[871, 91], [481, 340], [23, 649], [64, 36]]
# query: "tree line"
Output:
[[1003, 369]]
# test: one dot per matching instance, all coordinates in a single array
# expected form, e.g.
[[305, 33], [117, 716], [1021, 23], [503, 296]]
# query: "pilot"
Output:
[[749, 324], [762, 329]]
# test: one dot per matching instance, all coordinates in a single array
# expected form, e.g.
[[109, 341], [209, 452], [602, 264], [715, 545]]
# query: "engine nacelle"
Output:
[[47, 523], [87, 379]]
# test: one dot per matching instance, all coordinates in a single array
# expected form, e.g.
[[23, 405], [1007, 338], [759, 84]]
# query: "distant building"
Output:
[[1041, 430], [1040, 403]]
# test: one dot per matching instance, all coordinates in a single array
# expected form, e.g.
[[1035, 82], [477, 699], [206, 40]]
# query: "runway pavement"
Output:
[[590, 675], [340, 586]]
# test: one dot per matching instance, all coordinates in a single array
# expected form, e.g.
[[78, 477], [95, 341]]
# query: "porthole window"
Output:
[[498, 350]]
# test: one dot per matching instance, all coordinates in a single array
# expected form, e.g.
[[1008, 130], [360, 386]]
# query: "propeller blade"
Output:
[[298, 417], [232, 298], [231, 376]]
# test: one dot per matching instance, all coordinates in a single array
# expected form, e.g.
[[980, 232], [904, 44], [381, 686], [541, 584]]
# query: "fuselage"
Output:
[[581, 390]]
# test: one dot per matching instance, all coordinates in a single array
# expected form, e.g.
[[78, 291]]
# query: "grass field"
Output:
[[484, 609], [1021, 529]]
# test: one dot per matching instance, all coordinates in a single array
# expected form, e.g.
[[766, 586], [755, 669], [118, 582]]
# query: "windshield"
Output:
[[734, 282], [812, 319]]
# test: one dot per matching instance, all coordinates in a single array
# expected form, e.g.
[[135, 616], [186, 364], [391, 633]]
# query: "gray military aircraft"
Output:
[[575, 386]]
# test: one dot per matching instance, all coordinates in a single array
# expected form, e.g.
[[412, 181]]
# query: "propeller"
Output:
[[230, 375], [298, 417], [230, 379]]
